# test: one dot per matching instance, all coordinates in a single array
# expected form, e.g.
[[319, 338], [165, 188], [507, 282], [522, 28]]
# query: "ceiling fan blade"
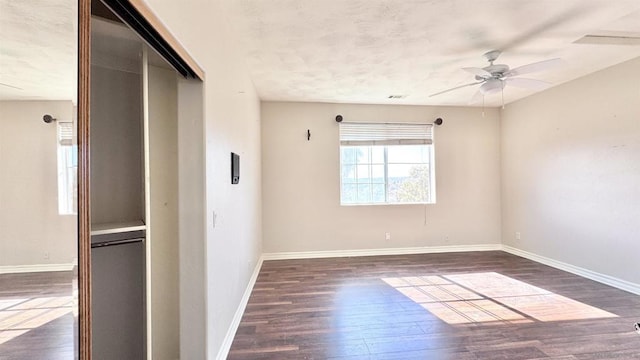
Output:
[[13, 87], [534, 67], [527, 83], [477, 98], [542, 25], [456, 88], [478, 72]]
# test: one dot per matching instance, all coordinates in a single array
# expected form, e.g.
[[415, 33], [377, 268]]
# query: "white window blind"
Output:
[[361, 134], [65, 133]]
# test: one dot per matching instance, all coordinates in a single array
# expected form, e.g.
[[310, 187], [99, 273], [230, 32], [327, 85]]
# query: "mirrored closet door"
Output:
[[38, 179]]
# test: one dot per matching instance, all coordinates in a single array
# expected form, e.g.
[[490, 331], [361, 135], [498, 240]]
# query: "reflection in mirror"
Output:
[[38, 179]]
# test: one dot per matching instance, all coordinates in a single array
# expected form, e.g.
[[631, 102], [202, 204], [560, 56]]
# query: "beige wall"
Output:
[[301, 181], [232, 124], [30, 225], [571, 172]]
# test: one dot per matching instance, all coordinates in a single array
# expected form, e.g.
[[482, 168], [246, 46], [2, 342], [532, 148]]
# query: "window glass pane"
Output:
[[413, 187], [365, 179], [377, 191], [364, 193], [363, 173], [348, 154], [74, 156], [407, 154], [377, 174], [399, 170], [67, 179], [362, 153], [377, 154], [348, 174], [349, 193]]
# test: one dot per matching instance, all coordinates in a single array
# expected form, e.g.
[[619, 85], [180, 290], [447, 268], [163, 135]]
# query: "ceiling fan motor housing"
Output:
[[497, 70]]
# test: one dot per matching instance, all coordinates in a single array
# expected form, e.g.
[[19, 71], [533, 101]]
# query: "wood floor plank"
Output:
[[477, 305], [36, 316]]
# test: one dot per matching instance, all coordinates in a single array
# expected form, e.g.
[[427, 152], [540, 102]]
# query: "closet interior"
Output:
[[134, 195]]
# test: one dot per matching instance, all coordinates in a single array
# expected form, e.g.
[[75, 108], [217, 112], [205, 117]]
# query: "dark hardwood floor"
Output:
[[480, 305], [37, 316]]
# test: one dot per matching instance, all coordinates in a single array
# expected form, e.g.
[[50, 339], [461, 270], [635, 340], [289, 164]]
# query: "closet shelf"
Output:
[[113, 228]]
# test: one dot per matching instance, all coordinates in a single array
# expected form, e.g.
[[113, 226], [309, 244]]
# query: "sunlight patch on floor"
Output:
[[490, 298], [19, 316]]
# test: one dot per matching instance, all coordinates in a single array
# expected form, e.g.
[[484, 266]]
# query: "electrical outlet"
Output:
[[46, 255], [387, 236], [446, 239], [517, 235]]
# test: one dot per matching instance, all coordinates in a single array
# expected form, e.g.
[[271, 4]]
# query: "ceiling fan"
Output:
[[495, 77]]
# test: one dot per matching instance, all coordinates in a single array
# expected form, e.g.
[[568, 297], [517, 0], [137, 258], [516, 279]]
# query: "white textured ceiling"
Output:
[[38, 49], [357, 51], [362, 51]]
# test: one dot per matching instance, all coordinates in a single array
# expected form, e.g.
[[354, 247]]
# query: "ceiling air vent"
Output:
[[610, 38]]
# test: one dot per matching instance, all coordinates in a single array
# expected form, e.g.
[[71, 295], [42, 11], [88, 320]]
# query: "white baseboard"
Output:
[[15, 269], [375, 252], [223, 352], [592, 275]]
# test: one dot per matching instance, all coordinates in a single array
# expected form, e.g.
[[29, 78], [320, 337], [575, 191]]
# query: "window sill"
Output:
[[389, 204]]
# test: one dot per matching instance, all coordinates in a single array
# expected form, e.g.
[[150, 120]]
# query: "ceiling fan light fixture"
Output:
[[491, 86]]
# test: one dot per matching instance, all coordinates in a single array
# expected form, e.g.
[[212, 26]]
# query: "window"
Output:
[[67, 170], [386, 164]]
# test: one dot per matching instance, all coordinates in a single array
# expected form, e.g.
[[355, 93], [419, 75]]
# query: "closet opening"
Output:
[[146, 188]]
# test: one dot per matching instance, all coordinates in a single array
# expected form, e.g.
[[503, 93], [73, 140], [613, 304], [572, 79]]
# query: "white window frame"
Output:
[[387, 135]]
